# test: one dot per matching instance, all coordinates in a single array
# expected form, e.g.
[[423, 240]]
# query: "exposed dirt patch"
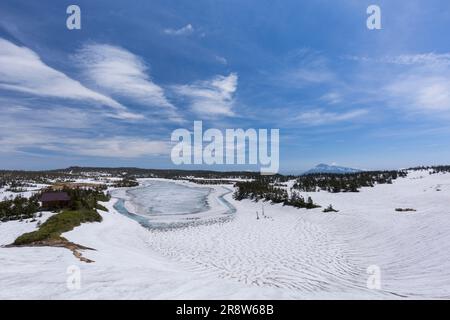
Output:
[[58, 243]]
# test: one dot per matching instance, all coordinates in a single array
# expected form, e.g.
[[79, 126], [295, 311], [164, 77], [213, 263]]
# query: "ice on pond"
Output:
[[168, 198], [160, 203]]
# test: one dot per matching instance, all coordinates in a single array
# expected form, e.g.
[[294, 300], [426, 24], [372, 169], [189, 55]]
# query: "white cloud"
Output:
[[320, 117], [211, 98], [110, 147], [186, 30], [22, 117], [332, 98], [120, 72], [310, 75], [421, 92], [421, 83], [221, 60], [306, 67], [414, 83], [22, 70], [418, 59], [115, 147], [68, 130], [12, 141]]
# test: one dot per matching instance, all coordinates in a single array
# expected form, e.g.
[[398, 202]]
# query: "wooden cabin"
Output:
[[54, 200]]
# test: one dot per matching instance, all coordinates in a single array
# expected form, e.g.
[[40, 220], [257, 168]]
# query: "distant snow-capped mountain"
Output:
[[325, 168]]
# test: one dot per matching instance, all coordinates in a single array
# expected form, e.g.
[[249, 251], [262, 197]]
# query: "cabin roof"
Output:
[[54, 196]]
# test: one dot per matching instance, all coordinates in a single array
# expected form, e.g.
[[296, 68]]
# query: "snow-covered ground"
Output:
[[10, 230], [287, 253], [26, 193], [125, 267]]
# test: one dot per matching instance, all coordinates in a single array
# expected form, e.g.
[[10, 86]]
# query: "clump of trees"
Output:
[[127, 182], [86, 198], [263, 189], [440, 169], [26, 208], [18, 208], [298, 201], [259, 190]]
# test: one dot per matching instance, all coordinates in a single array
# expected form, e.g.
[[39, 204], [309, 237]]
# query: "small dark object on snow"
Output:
[[404, 209], [330, 209]]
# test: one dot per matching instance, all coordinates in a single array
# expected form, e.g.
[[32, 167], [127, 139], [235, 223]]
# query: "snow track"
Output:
[[283, 252], [314, 252]]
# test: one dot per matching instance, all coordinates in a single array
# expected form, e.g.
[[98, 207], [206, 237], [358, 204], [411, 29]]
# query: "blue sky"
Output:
[[111, 93]]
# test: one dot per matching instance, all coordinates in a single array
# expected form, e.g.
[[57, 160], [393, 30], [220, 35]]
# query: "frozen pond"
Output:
[[156, 203], [164, 197]]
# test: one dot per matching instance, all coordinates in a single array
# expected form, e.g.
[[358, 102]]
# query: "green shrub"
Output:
[[58, 224]]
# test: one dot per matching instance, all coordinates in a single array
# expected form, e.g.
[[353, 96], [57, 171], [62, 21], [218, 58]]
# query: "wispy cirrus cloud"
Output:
[[113, 147], [186, 30], [211, 98], [120, 72], [332, 97], [51, 120], [425, 93], [125, 147], [419, 83], [316, 117], [309, 75], [23, 70], [418, 59], [56, 128], [221, 60], [414, 83], [306, 67], [19, 116]]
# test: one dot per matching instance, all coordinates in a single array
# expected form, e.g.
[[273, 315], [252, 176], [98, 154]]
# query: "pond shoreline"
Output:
[[216, 208]]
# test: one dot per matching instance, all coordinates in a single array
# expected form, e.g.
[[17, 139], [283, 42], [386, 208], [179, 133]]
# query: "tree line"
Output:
[[263, 189], [350, 182]]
